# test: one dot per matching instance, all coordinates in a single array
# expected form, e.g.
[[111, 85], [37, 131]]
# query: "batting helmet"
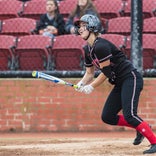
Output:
[[93, 23]]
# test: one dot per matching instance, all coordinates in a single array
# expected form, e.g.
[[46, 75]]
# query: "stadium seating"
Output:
[[18, 26], [116, 31], [33, 52], [33, 9], [126, 8], [119, 25], [108, 8], [68, 52], [148, 8], [7, 45], [9, 9], [66, 7], [149, 50], [118, 40], [149, 25]]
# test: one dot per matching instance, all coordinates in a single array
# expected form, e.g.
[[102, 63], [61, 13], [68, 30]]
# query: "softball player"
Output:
[[127, 81]]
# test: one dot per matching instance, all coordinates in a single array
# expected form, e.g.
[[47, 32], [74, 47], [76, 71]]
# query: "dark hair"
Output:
[[57, 11], [80, 12]]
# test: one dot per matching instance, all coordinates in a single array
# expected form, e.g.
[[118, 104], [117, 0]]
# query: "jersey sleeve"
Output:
[[88, 62], [103, 51]]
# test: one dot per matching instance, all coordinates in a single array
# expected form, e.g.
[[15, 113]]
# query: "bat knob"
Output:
[[75, 86], [34, 74]]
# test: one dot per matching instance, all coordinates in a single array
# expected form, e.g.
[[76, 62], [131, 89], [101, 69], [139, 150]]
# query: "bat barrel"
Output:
[[37, 74]]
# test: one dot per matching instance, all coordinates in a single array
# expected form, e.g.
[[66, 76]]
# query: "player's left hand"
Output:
[[79, 86], [87, 89]]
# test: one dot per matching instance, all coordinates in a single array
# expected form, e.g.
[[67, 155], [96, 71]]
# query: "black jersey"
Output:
[[103, 50]]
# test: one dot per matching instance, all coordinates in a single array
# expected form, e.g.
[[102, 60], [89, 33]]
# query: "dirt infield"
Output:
[[70, 144]]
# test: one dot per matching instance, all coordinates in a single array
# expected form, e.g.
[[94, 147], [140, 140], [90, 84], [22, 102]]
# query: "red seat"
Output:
[[118, 40], [18, 26], [126, 8], [68, 52], [32, 52], [108, 8], [66, 7], [34, 9], [7, 44], [119, 25], [104, 23], [9, 9], [148, 6], [149, 25], [149, 50]]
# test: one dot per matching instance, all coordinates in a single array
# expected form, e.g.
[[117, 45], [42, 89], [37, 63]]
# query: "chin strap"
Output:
[[87, 36]]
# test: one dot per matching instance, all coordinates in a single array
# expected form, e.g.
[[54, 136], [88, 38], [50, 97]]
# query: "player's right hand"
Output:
[[79, 86]]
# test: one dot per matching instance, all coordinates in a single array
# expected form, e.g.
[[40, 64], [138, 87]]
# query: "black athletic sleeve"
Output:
[[88, 62], [103, 51]]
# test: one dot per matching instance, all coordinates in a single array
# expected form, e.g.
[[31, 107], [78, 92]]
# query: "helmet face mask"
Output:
[[93, 23]]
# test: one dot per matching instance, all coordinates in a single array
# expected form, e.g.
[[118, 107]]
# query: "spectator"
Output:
[[52, 22], [83, 7]]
